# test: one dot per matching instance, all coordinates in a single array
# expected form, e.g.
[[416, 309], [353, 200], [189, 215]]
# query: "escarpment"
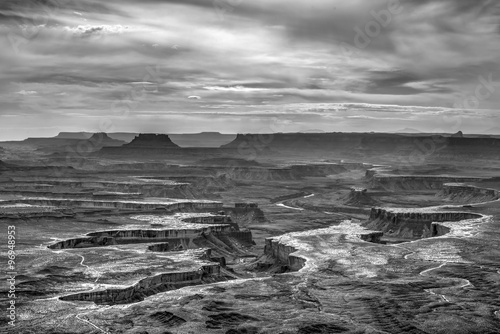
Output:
[[151, 285], [84, 242], [412, 223], [183, 237], [462, 193]]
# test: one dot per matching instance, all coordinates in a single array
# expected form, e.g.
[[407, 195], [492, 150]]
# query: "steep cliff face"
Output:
[[84, 242], [462, 193], [411, 223], [143, 235], [438, 229], [149, 286], [281, 252]]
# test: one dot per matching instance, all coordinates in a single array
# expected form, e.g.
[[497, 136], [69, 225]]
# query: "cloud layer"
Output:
[[241, 66]]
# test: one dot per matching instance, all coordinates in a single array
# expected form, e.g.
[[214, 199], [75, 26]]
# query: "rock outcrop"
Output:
[[283, 254]]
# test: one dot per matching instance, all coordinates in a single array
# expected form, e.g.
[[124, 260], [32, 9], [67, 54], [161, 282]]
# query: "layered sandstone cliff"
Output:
[[183, 237], [181, 231], [283, 254], [149, 286]]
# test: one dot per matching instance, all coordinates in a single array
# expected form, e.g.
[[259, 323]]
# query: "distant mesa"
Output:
[[74, 135], [101, 139], [459, 134], [123, 136], [149, 140]]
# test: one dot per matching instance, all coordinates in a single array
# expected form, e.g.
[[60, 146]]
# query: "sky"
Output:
[[260, 66]]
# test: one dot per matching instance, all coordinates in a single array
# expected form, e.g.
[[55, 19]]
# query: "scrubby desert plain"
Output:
[[278, 233]]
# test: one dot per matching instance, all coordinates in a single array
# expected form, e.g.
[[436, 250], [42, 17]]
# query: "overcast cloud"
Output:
[[248, 66]]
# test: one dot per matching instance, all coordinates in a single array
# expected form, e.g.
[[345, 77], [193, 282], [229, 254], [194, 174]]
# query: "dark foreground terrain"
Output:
[[280, 234]]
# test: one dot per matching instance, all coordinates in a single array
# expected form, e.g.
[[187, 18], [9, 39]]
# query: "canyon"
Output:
[[282, 233]]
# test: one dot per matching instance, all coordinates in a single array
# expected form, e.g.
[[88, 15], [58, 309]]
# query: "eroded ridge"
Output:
[[170, 205], [180, 230]]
